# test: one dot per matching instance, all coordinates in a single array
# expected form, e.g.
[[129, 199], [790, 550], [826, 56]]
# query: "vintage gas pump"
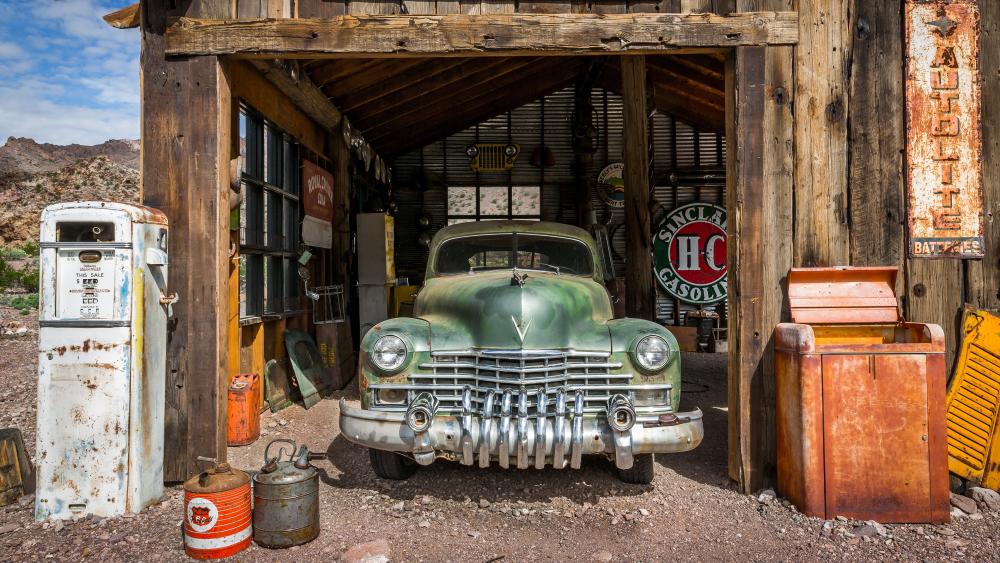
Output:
[[101, 359]]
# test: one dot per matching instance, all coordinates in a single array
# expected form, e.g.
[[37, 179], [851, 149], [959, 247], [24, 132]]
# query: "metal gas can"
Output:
[[286, 498], [217, 514]]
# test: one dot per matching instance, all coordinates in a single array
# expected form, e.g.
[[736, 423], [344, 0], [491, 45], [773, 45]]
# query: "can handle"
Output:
[[269, 459]]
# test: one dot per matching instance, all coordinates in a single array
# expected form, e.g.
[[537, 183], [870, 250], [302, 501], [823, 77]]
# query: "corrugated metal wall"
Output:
[[688, 166]]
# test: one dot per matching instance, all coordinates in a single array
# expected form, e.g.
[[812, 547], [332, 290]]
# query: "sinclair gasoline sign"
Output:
[[944, 140], [689, 253]]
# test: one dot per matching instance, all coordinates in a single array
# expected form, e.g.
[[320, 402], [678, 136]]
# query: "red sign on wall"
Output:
[[317, 192]]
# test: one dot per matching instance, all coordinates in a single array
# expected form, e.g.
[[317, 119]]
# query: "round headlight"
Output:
[[652, 353], [388, 353]]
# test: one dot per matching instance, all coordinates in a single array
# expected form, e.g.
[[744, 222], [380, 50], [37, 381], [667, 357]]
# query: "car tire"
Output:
[[641, 472], [391, 465]]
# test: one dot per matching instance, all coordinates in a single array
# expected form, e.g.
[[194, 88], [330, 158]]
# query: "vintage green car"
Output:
[[513, 356]]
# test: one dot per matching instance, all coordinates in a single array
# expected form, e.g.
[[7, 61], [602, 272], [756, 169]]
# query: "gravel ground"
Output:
[[448, 512]]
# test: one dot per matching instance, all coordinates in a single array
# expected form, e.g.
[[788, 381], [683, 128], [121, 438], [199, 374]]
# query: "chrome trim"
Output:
[[68, 245], [522, 431], [388, 431], [558, 453], [486, 428], [543, 404], [467, 449], [503, 443], [577, 444], [83, 323]]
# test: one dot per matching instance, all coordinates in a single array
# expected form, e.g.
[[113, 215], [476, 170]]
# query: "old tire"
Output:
[[641, 472], [391, 465]]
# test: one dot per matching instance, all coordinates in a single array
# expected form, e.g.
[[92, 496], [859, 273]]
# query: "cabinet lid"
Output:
[[843, 295]]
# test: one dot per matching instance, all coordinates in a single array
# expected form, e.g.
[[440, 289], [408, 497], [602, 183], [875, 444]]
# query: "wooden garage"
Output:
[[789, 113]]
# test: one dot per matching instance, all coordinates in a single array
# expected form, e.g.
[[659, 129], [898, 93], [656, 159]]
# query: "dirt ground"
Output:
[[448, 512]]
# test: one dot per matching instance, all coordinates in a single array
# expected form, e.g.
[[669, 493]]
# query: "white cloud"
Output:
[[65, 75], [24, 114], [9, 50]]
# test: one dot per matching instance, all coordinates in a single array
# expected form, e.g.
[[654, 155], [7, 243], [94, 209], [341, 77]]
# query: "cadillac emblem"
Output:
[[689, 253]]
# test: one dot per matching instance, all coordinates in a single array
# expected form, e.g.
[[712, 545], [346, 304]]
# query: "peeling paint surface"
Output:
[[101, 365], [944, 136]]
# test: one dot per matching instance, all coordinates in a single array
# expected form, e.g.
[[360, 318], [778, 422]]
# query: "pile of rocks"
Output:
[[15, 329], [974, 502]]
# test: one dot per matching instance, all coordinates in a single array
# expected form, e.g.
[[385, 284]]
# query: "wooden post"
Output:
[[759, 204], [639, 291], [185, 150]]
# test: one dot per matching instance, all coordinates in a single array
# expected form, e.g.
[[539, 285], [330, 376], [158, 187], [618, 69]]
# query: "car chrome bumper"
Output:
[[523, 441]]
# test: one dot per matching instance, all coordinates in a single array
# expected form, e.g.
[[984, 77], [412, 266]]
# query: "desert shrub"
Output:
[[30, 248]]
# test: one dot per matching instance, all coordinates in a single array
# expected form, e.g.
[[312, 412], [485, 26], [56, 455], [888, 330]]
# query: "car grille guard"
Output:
[[503, 393]]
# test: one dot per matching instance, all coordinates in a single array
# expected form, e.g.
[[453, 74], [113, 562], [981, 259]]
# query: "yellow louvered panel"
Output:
[[974, 400]]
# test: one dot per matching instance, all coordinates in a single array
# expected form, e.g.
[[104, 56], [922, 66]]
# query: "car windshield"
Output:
[[514, 250]]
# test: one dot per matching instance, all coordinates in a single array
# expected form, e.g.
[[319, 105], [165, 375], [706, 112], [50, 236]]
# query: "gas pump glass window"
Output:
[[472, 254], [269, 218]]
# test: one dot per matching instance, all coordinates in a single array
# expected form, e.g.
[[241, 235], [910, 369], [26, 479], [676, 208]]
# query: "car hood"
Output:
[[492, 310]]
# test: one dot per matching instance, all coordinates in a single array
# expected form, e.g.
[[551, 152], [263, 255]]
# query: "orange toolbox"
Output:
[[860, 401], [243, 414]]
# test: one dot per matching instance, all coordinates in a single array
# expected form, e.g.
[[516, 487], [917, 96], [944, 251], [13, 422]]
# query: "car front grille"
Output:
[[531, 373]]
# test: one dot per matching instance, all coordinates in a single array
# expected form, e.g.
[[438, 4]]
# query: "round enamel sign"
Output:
[[689, 253], [612, 184]]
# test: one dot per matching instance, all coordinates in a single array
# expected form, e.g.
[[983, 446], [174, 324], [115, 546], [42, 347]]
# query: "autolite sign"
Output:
[[944, 139], [689, 253]]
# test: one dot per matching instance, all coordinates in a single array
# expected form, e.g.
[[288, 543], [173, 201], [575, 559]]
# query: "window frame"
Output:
[[270, 179], [479, 216]]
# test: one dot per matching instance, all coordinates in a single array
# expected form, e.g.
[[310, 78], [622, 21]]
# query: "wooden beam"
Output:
[[496, 34], [715, 80], [454, 88], [673, 101], [297, 86], [759, 196], [983, 276], [352, 100], [640, 293], [692, 89], [380, 75], [126, 18], [339, 69], [548, 79], [185, 153]]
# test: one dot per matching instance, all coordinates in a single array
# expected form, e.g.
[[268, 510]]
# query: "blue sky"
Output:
[[65, 75]]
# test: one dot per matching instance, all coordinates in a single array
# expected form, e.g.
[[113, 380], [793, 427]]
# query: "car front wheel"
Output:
[[641, 472], [391, 465]]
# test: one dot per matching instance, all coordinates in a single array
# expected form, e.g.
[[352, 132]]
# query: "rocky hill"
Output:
[[33, 175]]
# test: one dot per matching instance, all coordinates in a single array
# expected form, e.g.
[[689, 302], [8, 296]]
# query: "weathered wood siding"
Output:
[[251, 9]]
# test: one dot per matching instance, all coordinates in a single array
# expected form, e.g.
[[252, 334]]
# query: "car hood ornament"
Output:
[[521, 328], [517, 278]]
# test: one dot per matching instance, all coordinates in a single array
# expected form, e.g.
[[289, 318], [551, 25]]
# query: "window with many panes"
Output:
[[269, 218], [475, 203]]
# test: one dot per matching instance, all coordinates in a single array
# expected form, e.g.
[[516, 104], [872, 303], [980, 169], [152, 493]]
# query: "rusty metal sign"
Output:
[[944, 137]]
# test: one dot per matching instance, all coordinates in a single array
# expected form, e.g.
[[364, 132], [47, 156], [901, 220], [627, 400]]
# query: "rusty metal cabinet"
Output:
[[860, 396]]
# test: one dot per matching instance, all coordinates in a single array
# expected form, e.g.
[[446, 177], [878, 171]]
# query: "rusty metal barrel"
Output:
[[217, 513], [286, 499]]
